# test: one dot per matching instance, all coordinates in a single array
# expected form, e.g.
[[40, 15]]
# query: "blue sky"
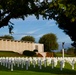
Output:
[[36, 28]]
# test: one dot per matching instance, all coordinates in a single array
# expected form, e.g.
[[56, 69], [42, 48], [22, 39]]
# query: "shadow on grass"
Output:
[[55, 70], [48, 69]]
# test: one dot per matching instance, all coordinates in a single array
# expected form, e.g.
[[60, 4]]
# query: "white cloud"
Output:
[[43, 0], [33, 31], [51, 25]]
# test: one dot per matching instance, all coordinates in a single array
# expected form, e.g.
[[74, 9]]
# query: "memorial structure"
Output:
[[19, 46]]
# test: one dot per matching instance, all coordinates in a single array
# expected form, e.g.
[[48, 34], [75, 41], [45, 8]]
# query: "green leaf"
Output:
[[72, 20], [0, 7]]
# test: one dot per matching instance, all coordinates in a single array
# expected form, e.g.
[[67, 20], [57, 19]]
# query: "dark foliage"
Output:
[[7, 37], [29, 53], [50, 42], [71, 51], [28, 38], [35, 50]]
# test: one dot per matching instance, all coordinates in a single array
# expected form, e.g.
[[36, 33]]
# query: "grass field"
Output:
[[67, 70], [58, 54], [36, 71], [9, 54], [13, 54]]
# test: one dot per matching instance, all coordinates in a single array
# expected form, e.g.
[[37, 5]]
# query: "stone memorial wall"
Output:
[[19, 46]]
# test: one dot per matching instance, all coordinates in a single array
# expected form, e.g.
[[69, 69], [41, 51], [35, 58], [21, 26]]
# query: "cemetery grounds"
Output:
[[36, 70]]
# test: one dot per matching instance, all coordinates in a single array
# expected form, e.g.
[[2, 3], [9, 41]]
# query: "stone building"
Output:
[[19, 46]]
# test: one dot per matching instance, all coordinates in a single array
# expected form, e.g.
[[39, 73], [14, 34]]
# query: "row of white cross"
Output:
[[10, 62]]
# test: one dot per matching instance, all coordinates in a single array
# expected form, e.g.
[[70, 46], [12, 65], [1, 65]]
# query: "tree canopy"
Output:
[[50, 42], [14, 9], [62, 11], [7, 37], [28, 38], [71, 51]]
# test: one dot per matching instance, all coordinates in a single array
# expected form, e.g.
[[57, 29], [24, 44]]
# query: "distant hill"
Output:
[[66, 46]]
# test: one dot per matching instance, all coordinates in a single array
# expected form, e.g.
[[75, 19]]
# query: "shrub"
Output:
[[29, 53], [35, 50], [70, 51], [49, 54]]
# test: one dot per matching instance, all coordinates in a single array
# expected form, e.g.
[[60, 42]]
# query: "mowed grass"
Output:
[[10, 54], [67, 70], [58, 54]]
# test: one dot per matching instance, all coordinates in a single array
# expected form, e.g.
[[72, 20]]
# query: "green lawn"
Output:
[[36, 71], [58, 54], [13, 54], [9, 54]]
